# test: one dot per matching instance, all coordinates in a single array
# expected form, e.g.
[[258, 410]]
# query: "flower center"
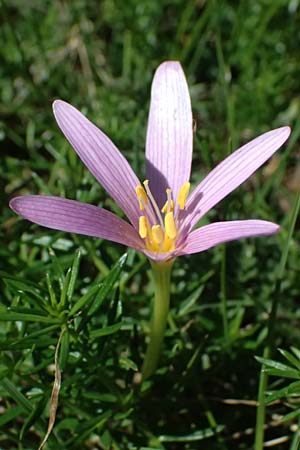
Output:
[[159, 228]]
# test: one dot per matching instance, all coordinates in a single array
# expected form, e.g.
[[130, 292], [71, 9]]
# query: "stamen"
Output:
[[169, 205], [142, 197], [157, 234], [183, 194], [143, 227], [170, 225], [153, 202]]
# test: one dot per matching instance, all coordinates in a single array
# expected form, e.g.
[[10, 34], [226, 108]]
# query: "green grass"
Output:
[[242, 64]]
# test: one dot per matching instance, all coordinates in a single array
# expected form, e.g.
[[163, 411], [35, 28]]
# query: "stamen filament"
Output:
[[169, 205], [153, 203]]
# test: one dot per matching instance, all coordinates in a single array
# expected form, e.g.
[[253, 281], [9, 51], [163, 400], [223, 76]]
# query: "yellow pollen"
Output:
[[157, 234], [183, 194], [170, 225], [142, 197], [143, 227]]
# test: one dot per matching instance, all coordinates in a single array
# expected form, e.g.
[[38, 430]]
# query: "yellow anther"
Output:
[[142, 197], [183, 194], [143, 227], [170, 225], [157, 234], [169, 205]]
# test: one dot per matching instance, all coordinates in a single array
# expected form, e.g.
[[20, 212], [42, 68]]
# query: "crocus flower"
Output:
[[160, 211]]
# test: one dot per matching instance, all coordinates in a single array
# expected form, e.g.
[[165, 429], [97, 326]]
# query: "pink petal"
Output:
[[219, 232], [75, 217], [169, 141], [230, 173], [101, 157]]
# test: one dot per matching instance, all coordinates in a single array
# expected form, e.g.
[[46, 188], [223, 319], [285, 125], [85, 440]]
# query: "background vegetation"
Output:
[[242, 61]]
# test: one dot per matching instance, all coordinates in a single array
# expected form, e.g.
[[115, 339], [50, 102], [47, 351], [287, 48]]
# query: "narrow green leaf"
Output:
[[106, 397], [291, 389], [291, 358], [11, 414], [14, 316], [290, 416], [279, 373], [85, 299], [74, 274], [33, 416], [51, 291], [19, 285], [63, 295], [282, 369], [87, 427], [16, 395], [296, 351], [108, 284], [110, 329], [187, 305], [192, 437], [235, 323], [127, 364], [57, 268]]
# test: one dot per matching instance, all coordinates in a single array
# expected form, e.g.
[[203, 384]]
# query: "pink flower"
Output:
[[161, 212]]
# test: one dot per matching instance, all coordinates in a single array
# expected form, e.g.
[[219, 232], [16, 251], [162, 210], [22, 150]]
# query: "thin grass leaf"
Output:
[[85, 429], [74, 275], [291, 389], [11, 414], [108, 284], [19, 285], [26, 317], [278, 369], [51, 291], [84, 300], [187, 305], [296, 351], [199, 435], [36, 412], [105, 331], [292, 359], [15, 394], [236, 322], [63, 295]]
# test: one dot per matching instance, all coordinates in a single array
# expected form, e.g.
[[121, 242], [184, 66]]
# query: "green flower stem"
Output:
[[161, 281], [263, 381]]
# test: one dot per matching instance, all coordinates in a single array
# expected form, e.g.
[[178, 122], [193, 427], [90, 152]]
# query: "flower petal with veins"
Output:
[[169, 143], [216, 233], [101, 157], [76, 217]]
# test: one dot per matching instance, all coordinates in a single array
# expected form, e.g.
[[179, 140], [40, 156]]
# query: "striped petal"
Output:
[[216, 233], [76, 217], [169, 141], [230, 173], [101, 157]]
